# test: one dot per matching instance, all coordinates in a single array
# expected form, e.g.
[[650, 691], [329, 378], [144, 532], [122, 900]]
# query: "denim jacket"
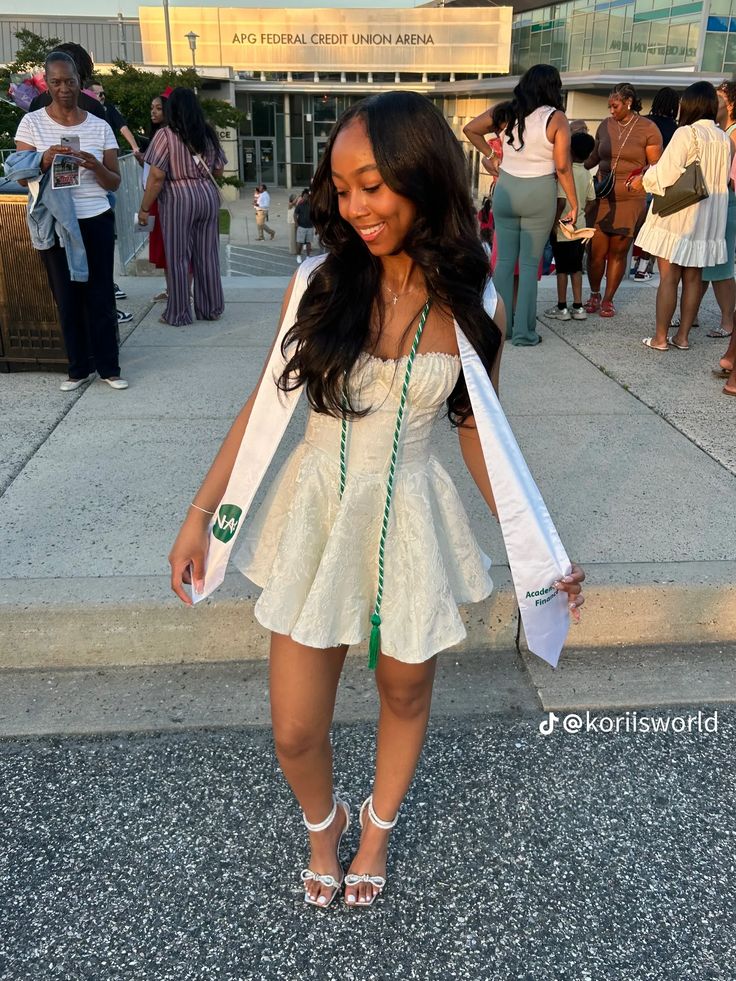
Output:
[[49, 212]]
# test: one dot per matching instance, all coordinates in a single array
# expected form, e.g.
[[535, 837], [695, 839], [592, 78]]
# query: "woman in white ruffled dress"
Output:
[[689, 240], [391, 204]]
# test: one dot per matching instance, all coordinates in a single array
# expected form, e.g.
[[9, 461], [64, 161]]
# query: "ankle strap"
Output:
[[327, 821], [383, 825]]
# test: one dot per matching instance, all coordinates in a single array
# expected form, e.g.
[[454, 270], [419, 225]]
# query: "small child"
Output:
[[569, 255]]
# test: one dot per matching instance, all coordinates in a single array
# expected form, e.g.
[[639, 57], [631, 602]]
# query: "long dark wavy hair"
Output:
[[540, 85], [419, 158], [184, 117]]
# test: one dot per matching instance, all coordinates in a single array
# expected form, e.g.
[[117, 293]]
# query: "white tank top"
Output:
[[534, 159]]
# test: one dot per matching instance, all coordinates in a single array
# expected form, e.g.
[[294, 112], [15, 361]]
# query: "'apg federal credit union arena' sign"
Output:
[[424, 39]]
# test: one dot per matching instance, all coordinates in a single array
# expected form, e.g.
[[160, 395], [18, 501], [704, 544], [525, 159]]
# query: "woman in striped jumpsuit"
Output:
[[184, 158]]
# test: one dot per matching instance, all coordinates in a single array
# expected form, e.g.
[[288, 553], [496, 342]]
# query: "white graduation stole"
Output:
[[536, 555]]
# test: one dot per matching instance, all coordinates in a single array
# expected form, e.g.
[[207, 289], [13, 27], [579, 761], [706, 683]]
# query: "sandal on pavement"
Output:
[[377, 881], [720, 372], [607, 309], [680, 347], [647, 342], [593, 303], [725, 391], [326, 880], [163, 295], [718, 332]]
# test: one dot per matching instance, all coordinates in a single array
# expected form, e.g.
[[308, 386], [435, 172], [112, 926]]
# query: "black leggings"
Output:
[[89, 320]]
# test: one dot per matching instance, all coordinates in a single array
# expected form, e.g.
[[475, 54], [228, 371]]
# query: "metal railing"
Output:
[[127, 202]]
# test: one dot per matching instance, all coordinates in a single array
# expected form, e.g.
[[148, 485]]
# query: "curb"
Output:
[[55, 623]]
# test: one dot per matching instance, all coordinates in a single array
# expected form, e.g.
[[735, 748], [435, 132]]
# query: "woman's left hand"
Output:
[[635, 183], [88, 160], [570, 584], [142, 217], [570, 217]]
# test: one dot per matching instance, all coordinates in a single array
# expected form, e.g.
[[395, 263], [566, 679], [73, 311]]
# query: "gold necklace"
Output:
[[623, 126]]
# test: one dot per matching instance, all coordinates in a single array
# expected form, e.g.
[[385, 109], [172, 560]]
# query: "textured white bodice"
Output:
[[376, 384]]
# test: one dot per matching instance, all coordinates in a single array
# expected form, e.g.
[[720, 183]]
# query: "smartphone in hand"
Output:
[[72, 142]]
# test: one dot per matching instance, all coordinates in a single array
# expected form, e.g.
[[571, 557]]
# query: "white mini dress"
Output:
[[315, 555]]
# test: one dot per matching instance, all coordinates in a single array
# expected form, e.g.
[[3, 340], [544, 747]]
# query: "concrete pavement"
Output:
[[633, 452], [586, 856]]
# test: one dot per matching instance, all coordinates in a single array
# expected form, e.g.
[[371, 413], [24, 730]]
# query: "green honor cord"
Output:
[[375, 641]]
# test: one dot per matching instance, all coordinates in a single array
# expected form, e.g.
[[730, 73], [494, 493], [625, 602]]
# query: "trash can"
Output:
[[30, 332]]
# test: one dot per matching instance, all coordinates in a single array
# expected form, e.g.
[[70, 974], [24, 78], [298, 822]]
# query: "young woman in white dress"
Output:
[[392, 208], [689, 240]]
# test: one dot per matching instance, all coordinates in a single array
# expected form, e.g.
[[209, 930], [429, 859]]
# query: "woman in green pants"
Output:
[[536, 145]]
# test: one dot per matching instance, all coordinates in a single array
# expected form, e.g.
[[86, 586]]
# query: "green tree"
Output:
[[9, 118], [30, 55], [132, 89], [31, 52]]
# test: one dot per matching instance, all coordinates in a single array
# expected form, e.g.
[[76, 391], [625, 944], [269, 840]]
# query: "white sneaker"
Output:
[[578, 313], [558, 314], [299, 258], [72, 384], [118, 383]]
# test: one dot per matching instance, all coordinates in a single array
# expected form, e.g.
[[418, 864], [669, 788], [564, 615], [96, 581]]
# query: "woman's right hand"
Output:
[[188, 554], [570, 217], [48, 156]]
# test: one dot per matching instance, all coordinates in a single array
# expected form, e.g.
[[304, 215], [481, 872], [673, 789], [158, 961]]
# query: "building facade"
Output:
[[293, 71]]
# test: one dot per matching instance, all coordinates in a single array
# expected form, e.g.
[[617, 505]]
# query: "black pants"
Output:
[[87, 311]]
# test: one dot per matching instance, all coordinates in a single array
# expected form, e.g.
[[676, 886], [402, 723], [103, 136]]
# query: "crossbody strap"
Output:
[[623, 144], [202, 164]]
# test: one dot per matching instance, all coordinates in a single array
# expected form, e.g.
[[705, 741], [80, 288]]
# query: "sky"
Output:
[[82, 8]]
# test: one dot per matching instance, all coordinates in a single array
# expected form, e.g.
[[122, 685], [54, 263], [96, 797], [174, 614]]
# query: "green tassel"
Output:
[[375, 642]]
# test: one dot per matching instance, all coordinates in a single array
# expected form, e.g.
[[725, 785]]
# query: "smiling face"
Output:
[[63, 83], [379, 216], [157, 111], [619, 107]]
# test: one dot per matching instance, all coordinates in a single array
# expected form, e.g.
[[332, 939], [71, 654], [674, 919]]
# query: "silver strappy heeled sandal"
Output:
[[326, 880], [377, 881]]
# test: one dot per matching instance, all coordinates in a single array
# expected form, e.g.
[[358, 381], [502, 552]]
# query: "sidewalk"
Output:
[[633, 452]]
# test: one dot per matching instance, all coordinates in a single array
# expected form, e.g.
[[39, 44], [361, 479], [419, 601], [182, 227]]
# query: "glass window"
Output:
[[720, 7], [677, 44], [600, 33], [658, 43], [730, 48], [325, 108], [713, 52]]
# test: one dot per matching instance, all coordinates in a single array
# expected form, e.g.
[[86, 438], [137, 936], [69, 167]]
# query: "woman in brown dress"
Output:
[[626, 143]]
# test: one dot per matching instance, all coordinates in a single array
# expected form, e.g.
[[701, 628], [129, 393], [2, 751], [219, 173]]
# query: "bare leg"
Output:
[[669, 280], [692, 294], [618, 249], [728, 361], [577, 287], [597, 260], [562, 288], [725, 293], [405, 691], [303, 685]]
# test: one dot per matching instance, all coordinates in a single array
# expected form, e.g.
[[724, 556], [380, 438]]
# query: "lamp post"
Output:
[[192, 38], [167, 26]]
